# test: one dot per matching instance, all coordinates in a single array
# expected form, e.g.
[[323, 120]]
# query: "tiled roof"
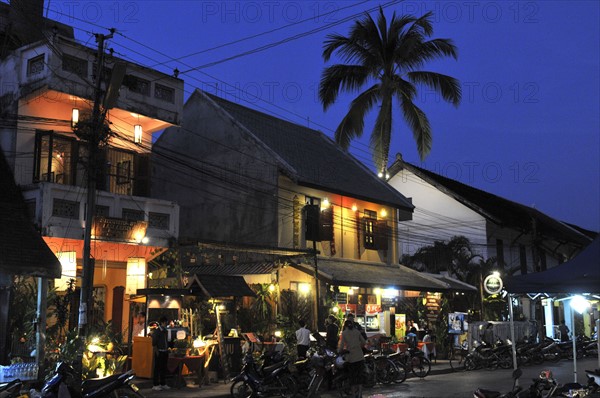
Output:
[[24, 252], [317, 161], [363, 274], [232, 269], [500, 210]]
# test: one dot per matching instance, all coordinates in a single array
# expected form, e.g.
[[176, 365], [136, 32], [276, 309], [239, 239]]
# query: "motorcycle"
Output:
[[483, 393], [65, 381], [11, 389], [322, 363], [256, 380]]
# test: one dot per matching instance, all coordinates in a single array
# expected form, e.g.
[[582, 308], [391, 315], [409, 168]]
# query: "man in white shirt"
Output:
[[302, 339]]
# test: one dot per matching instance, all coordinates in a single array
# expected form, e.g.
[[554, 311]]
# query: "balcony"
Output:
[[59, 211]]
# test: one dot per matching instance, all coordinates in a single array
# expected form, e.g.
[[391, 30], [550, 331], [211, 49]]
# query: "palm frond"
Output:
[[446, 85], [419, 124], [336, 78], [352, 124]]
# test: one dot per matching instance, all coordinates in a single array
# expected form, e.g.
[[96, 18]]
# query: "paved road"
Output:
[[440, 385]]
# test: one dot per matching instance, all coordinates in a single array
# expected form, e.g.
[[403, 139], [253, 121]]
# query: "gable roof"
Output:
[[24, 252], [316, 160], [501, 211]]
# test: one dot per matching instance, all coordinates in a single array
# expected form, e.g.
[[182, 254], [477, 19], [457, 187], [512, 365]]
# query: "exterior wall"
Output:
[[345, 224], [229, 191], [437, 216]]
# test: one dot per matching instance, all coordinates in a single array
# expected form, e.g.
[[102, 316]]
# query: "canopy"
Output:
[[579, 275]]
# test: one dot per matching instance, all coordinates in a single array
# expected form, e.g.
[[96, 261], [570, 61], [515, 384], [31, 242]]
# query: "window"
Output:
[[102, 211], [123, 172], [137, 84], [75, 65], [35, 65], [369, 229], [523, 259], [133, 215], [65, 209], [159, 220], [164, 93], [54, 158]]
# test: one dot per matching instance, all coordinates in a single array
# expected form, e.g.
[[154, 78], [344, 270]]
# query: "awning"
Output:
[[364, 274], [24, 252], [220, 286], [453, 283]]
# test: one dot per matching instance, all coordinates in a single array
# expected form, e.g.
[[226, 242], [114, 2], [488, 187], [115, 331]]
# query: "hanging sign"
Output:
[[492, 284]]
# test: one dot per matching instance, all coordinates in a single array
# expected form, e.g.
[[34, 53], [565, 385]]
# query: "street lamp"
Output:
[[579, 304]]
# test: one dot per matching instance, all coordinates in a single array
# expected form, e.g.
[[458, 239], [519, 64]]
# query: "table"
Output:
[[428, 349], [194, 364]]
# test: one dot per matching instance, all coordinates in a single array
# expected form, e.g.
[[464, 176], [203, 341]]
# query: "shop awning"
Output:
[[364, 274], [218, 286], [453, 284]]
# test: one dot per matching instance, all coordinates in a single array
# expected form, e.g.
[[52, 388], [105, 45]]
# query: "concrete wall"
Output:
[[229, 190]]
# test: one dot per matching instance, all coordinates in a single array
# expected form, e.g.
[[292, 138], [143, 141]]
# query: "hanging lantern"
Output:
[[74, 117], [136, 274], [137, 133], [68, 262]]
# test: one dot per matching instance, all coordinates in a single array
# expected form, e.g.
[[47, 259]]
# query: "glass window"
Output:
[[54, 158], [75, 65], [137, 85], [133, 215], [164, 93], [158, 220], [35, 65]]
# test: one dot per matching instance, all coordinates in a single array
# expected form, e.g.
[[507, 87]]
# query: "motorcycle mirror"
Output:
[[517, 373]]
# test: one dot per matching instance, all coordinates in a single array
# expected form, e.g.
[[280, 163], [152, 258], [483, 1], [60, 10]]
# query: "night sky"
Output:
[[527, 129]]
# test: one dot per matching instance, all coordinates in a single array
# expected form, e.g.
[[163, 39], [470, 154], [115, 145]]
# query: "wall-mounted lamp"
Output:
[[74, 117], [137, 133], [136, 274], [383, 213], [354, 207], [68, 262], [324, 204]]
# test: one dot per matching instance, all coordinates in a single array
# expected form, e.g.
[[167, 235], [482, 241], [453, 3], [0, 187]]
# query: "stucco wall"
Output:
[[224, 181]]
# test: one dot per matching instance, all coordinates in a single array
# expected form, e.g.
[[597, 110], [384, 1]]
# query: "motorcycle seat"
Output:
[[93, 384], [271, 368], [482, 393]]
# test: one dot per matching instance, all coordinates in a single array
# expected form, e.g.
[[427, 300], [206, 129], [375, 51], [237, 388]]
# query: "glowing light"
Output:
[[325, 204], [377, 291], [136, 274], [271, 287], [137, 133], [350, 292], [74, 117], [278, 333], [380, 174], [145, 240], [383, 213], [496, 274], [68, 261], [304, 288], [354, 207], [390, 293], [335, 309], [579, 304]]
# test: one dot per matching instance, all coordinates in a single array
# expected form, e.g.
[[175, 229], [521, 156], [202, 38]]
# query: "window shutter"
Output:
[[326, 225], [141, 182], [381, 235], [311, 216]]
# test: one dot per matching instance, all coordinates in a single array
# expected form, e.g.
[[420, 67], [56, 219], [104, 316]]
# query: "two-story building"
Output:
[[243, 177], [48, 89], [521, 238]]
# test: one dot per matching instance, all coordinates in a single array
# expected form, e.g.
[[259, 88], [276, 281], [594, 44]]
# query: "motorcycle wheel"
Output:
[[470, 364], [553, 357], [289, 387], [342, 385], [420, 366], [241, 389]]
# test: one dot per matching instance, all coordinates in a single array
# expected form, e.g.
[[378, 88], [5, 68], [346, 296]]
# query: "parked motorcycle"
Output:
[[64, 379], [11, 389], [256, 380], [483, 393]]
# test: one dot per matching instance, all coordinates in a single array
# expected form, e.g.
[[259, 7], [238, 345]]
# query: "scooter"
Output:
[[11, 389], [64, 381], [483, 393], [263, 380]]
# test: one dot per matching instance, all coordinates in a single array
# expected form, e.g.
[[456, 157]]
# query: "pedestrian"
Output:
[[302, 339], [564, 331], [332, 333], [139, 324], [350, 317], [351, 344], [160, 348], [488, 335]]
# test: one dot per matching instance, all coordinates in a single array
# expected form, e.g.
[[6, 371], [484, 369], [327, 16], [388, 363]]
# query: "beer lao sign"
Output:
[[492, 284], [119, 230]]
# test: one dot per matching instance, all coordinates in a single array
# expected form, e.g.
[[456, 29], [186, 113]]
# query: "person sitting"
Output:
[[411, 338]]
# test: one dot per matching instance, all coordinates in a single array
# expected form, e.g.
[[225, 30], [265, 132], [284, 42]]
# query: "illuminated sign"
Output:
[[492, 284], [118, 229]]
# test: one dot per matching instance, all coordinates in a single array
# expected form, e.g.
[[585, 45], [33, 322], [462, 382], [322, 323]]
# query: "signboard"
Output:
[[492, 284], [371, 309], [400, 325], [118, 229], [456, 322], [341, 298]]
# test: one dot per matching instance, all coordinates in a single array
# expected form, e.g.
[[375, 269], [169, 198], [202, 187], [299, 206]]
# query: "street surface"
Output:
[[442, 383]]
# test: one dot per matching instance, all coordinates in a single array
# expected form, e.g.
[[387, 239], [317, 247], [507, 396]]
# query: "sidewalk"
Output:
[[221, 389]]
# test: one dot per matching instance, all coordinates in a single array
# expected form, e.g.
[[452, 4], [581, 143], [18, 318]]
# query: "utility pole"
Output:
[[94, 138]]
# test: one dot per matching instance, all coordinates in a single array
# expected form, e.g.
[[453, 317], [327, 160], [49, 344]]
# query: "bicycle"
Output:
[[457, 357], [414, 361]]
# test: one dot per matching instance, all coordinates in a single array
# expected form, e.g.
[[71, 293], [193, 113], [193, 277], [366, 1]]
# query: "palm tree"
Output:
[[386, 58]]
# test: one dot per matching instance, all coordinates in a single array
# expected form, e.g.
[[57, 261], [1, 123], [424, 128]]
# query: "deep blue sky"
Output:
[[528, 128]]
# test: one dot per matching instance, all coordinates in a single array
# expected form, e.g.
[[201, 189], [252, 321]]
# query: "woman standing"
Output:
[[352, 343]]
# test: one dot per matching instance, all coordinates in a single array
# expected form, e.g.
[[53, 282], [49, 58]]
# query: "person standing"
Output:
[[160, 348], [564, 331], [352, 343], [332, 333], [350, 317], [302, 339]]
